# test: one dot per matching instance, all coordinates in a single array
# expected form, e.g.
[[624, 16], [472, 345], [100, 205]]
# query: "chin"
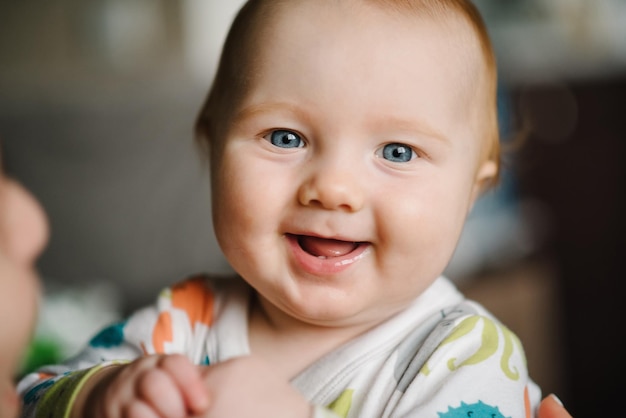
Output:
[[324, 312]]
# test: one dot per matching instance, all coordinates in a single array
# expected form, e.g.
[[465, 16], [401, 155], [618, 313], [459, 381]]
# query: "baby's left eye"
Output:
[[285, 139], [397, 153]]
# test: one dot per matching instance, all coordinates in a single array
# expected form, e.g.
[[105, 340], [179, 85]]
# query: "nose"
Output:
[[332, 187], [23, 225]]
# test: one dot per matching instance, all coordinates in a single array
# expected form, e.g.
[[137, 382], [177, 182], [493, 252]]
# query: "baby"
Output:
[[348, 140]]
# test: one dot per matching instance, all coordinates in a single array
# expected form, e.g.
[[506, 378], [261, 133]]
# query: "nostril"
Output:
[[336, 193]]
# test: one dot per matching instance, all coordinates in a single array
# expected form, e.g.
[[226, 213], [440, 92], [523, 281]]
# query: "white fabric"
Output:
[[443, 356]]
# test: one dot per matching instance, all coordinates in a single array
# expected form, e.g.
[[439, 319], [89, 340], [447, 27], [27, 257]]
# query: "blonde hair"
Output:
[[231, 82]]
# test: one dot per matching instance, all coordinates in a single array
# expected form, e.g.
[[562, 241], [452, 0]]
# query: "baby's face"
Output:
[[23, 233], [345, 178]]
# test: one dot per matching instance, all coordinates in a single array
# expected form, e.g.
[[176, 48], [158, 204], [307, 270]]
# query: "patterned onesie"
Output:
[[442, 357]]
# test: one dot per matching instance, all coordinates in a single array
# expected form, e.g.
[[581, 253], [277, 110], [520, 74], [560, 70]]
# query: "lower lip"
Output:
[[325, 266]]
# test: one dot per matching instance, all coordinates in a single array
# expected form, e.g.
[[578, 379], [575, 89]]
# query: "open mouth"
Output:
[[325, 248], [325, 255]]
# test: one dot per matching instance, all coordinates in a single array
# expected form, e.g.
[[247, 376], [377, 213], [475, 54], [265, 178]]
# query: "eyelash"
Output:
[[381, 152], [402, 150], [287, 133]]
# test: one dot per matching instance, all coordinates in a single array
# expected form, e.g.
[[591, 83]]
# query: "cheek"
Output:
[[243, 200], [423, 227], [229, 206]]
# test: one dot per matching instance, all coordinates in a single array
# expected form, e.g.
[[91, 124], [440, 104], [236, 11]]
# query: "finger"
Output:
[[122, 390], [552, 407], [187, 378], [140, 364], [139, 409], [160, 392]]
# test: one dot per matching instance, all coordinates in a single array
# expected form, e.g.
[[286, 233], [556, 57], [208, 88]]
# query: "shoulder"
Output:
[[200, 297], [463, 337], [468, 336], [183, 313], [471, 358], [466, 326]]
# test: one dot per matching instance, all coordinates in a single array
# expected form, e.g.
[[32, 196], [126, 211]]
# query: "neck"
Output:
[[291, 344]]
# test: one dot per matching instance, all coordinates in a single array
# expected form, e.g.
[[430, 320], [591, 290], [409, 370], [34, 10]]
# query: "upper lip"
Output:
[[328, 237]]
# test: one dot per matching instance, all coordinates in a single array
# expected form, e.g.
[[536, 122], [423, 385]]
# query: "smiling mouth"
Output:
[[325, 256], [325, 248]]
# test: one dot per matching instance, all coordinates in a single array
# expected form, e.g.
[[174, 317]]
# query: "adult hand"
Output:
[[551, 407], [23, 235]]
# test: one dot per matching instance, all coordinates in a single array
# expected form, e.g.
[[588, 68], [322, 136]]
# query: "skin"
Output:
[[306, 168], [552, 407], [23, 233], [336, 194], [335, 191], [150, 387]]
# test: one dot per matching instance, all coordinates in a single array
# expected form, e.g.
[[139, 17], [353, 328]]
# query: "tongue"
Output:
[[321, 247]]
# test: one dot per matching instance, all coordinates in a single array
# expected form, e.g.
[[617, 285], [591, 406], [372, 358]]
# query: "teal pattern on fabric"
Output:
[[33, 394], [111, 336], [475, 410]]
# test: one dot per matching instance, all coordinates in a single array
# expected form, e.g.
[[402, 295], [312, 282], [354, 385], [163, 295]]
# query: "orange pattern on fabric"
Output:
[[192, 297], [527, 402], [162, 332]]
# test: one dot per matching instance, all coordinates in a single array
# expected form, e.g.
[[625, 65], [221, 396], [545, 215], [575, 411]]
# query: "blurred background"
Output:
[[97, 104]]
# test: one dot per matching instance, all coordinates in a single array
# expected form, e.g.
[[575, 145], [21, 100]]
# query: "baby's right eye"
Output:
[[284, 139]]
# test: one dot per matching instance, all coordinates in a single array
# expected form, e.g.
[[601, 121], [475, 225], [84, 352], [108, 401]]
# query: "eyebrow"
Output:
[[406, 125], [269, 107]]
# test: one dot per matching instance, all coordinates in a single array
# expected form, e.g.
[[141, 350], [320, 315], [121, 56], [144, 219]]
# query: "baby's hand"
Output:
[[163, 386], [247, 387]]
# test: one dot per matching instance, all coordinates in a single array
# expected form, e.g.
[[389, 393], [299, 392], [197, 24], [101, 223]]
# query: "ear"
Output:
[[486, 173]]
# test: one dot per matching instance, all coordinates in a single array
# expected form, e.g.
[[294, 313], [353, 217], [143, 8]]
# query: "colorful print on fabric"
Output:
[[194, 298], [341, 406], [527, 407], [35, 392], [162, 332], [490, 341], [109, 337], [475, 410]]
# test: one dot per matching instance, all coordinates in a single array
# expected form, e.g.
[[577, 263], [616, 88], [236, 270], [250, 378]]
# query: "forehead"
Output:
[[335, 43], [366, 29], [273, 17]]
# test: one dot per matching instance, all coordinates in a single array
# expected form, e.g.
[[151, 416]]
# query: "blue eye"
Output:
[[285, 139], [398, 153]]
